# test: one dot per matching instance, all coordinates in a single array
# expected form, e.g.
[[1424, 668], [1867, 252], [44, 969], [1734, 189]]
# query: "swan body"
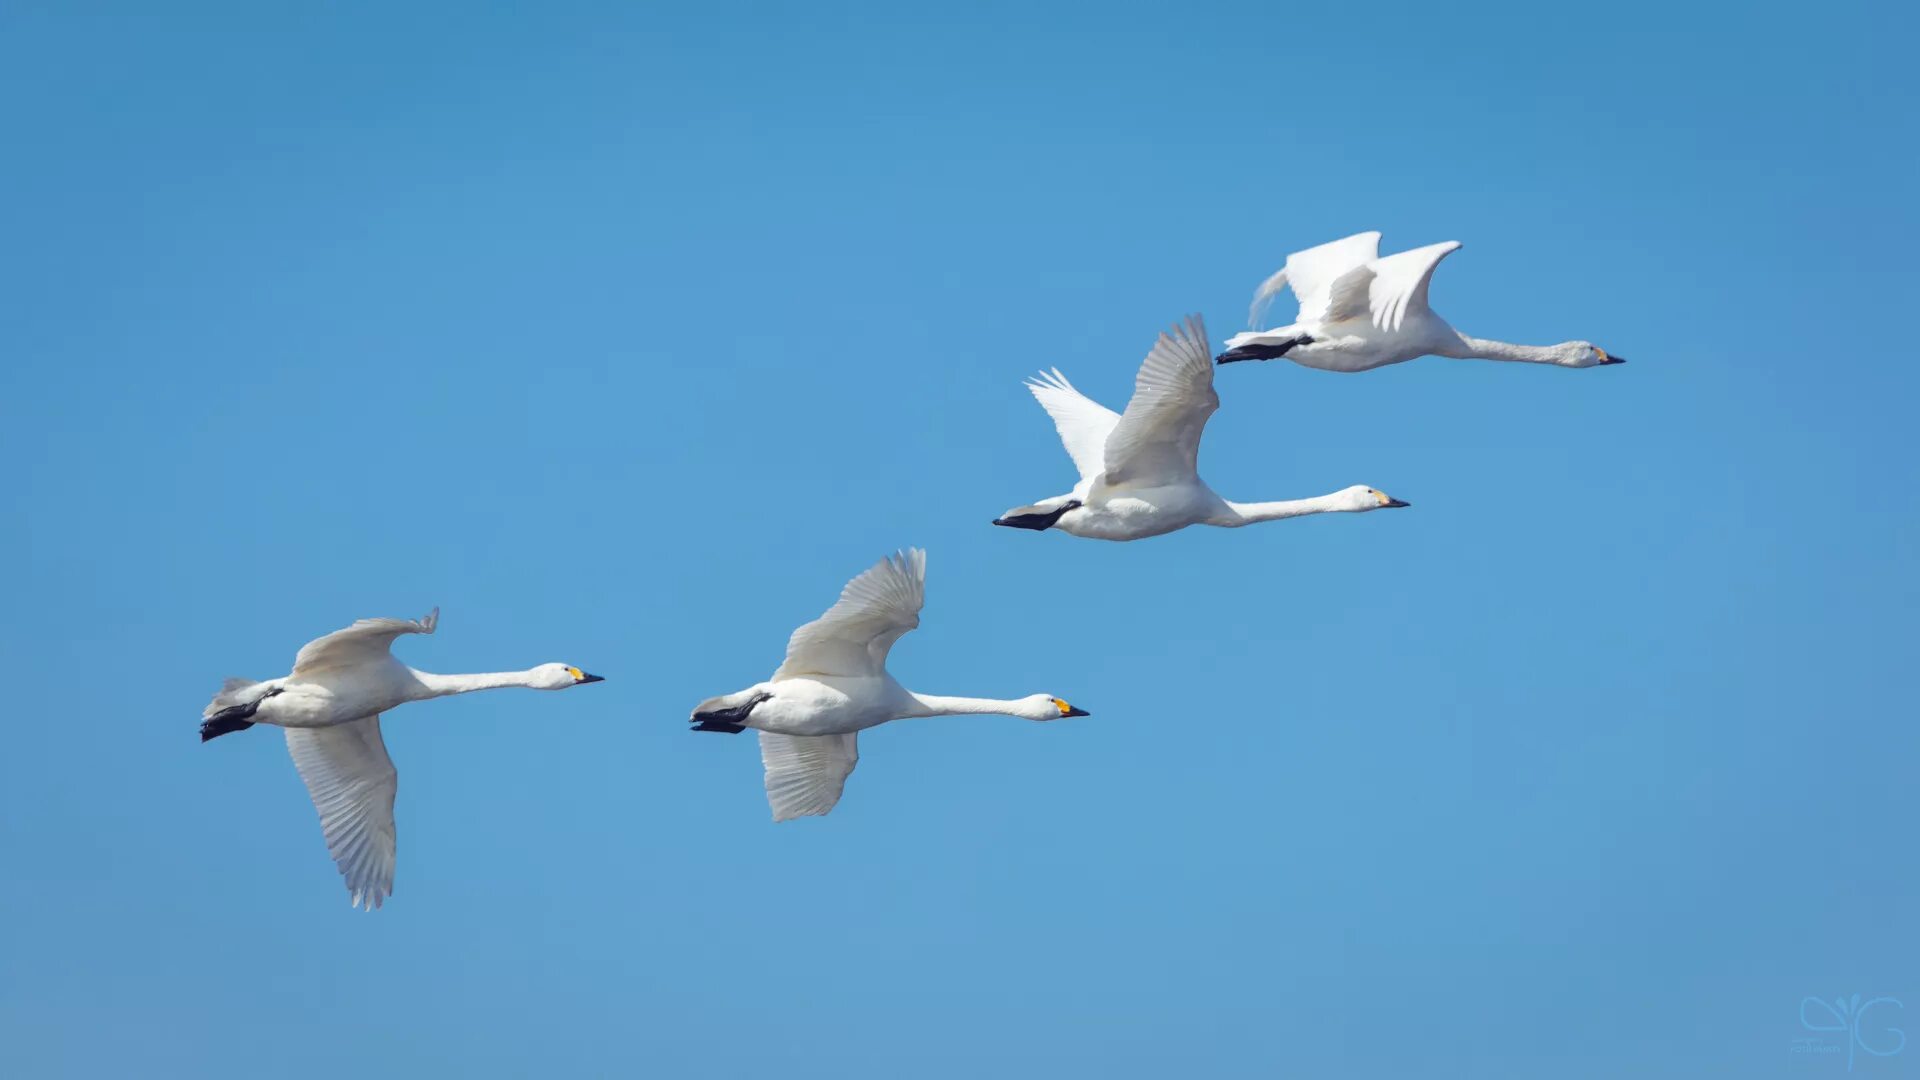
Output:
[[834, 684], [1139, 469], [1359, 311], [330, 706]]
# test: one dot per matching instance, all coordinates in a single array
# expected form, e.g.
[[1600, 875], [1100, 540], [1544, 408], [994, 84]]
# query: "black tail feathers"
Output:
[[228, 721], [234, 718], [1038, 522], [732, 721], [1269, 351]]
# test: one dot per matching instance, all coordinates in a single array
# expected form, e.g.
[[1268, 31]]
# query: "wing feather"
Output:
[[1083, 423], [806, 773], [352, 783], [1312, 274], [854, 635], [363, 642], [1399, 285], [1157, 440]]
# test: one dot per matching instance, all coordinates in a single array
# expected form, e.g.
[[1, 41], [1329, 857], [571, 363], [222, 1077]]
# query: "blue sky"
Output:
[[627, 334]]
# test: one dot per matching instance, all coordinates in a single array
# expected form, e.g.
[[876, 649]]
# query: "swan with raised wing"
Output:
[[834, 684], [1139, 469], [330, 707], [1359, 311]]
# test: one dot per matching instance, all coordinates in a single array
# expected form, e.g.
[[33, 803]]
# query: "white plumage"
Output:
[[352, 782], [1139, 470], [1359, 311], [330, 706], [834, 684]]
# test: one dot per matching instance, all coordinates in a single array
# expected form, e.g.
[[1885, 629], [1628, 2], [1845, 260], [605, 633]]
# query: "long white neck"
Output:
[[1239, 514], [443, 685], [1463, 347], [938, 705]]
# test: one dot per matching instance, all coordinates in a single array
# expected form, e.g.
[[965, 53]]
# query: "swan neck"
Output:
[[445, 685], [1473, 348], [941, 705], [1250, 513]]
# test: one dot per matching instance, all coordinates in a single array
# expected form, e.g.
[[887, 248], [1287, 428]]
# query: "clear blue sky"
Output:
[[628, 333]]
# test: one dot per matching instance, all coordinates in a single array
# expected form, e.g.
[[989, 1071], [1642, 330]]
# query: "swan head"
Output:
[[1360, 498], [559, 677], [1585, 354], [1048, 707]]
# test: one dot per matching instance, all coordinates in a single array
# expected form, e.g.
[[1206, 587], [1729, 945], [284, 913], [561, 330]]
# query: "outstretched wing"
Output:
[[363, 642], [1312, 274], [352, 783], [806, 773], [1399, 285], [1082, 422], [1157, 440], [853, 637]]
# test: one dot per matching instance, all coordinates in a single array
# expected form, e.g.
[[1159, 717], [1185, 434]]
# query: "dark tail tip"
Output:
[[222, 724], [731, 721], [1259, 352], [228, 721], [1038, 522]]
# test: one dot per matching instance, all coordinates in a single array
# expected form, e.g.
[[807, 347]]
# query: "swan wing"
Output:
[[1157, 441], [364, 642], [806, 773], [1082, 422], [352, 783], [1399, 286], [853, 637], [1312, 274]]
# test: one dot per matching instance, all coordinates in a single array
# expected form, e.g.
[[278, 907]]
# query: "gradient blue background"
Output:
[[629, 335]]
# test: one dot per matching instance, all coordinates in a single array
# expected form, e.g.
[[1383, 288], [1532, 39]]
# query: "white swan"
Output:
[[1359, 311], [834, 684], [331, 706], [1138, 473]]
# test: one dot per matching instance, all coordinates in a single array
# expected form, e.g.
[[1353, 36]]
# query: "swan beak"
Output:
[[1074, 712], [586, 678], [1608, 358], [1390, 503]]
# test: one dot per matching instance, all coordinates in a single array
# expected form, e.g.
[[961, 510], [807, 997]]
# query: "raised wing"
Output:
[[1157, 440], [1399, 286], [364, 642], [853, 637], [1312, 274], [1082, 422], [806, 773], [352, 783]]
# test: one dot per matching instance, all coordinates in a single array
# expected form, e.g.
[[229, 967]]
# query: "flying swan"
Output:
[[1138, 473], [331, 706], [834, 684], [1359, 311]]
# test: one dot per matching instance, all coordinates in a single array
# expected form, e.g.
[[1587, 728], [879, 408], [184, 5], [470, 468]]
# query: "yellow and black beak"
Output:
[[1608, 358], [1067, 710], [1390, 503], [581, 678]]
